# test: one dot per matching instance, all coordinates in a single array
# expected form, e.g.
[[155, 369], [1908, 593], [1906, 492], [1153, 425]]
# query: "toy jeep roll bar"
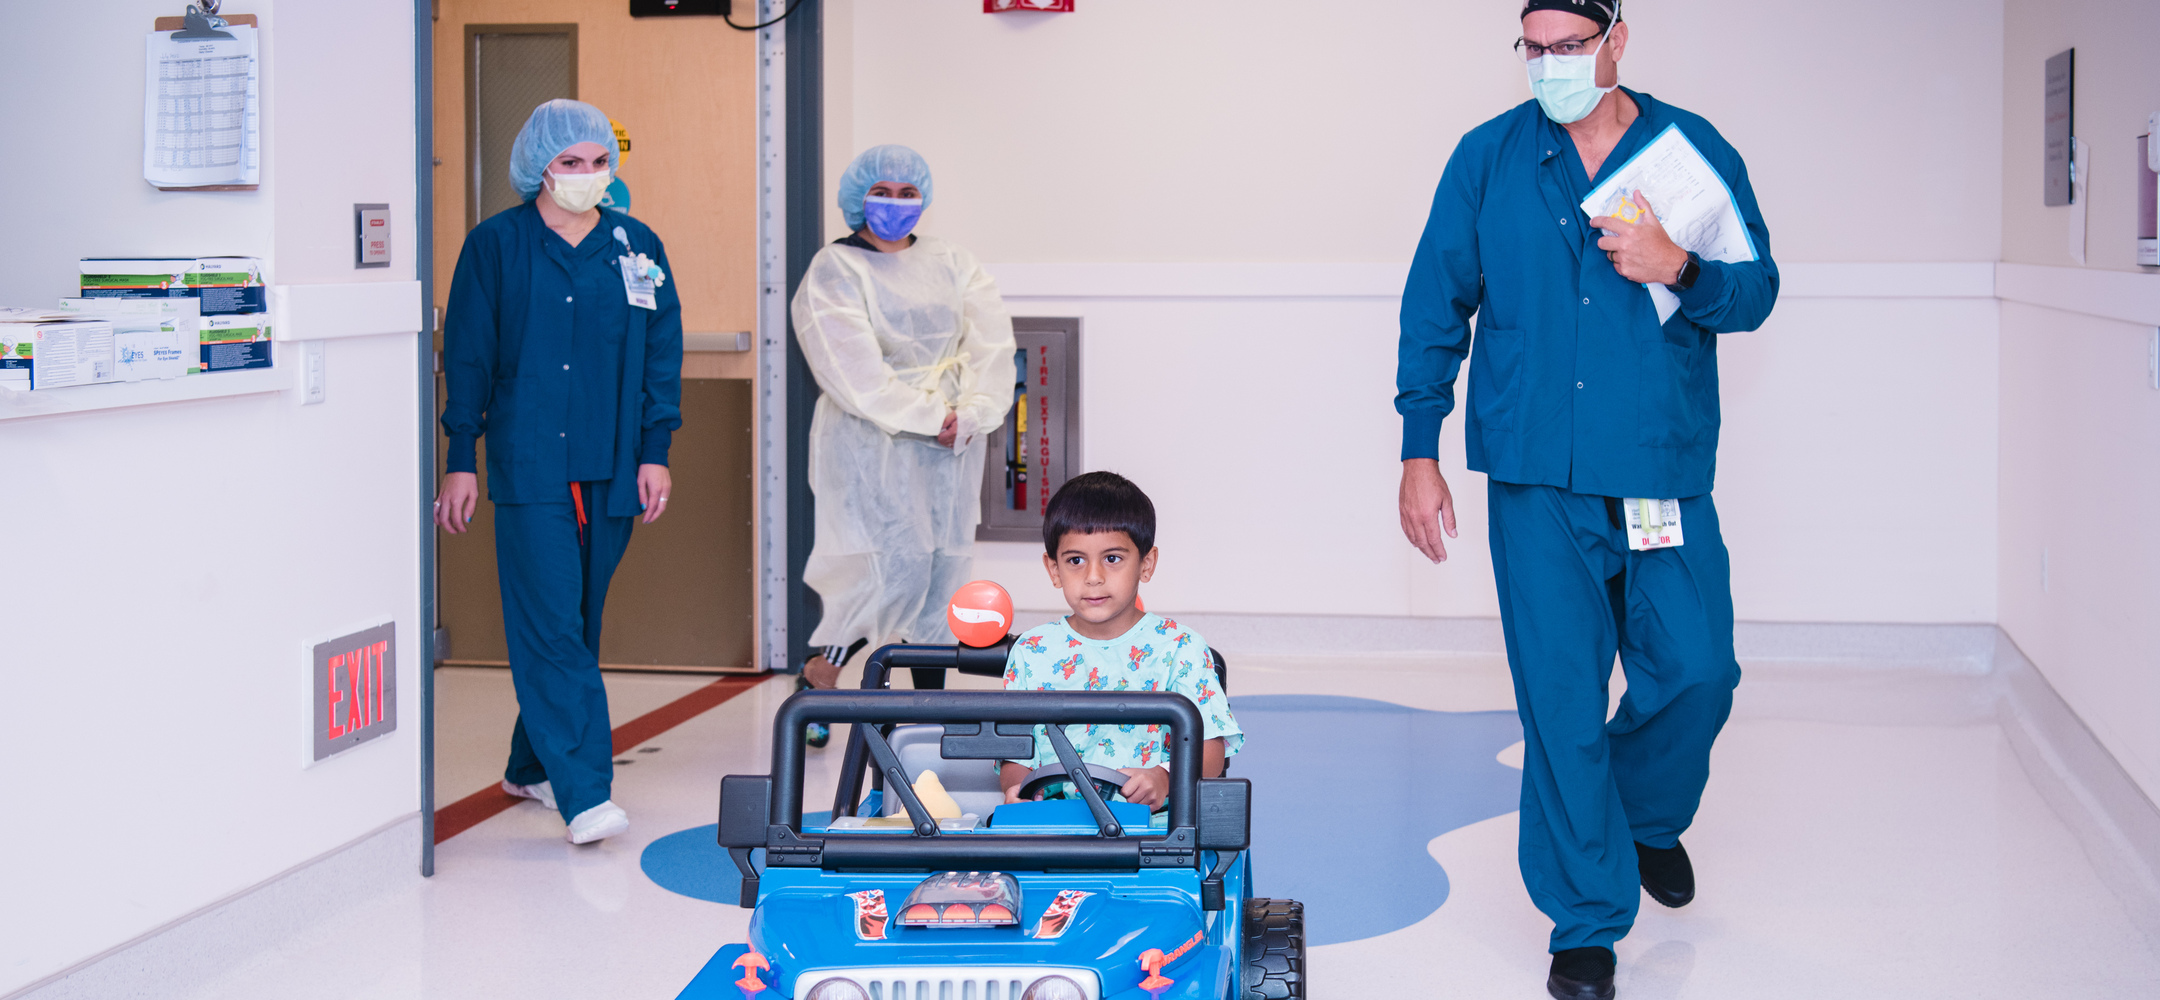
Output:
[[983, 661], [765, 811]]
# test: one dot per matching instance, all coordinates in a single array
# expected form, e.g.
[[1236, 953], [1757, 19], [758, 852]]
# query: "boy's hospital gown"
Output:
[[1155, 655]]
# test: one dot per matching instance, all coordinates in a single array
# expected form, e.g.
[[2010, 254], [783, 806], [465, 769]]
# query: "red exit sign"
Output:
[[355, 689]]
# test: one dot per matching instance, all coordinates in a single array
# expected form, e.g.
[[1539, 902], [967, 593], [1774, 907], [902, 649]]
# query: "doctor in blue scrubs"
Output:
[[563, 345], [1582, 404]]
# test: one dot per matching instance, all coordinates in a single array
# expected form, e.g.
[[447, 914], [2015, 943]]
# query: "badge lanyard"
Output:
[[1652, 523], [641, 277]]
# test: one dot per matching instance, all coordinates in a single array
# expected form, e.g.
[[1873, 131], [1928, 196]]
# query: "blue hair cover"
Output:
[[555, 126], [898, 164]]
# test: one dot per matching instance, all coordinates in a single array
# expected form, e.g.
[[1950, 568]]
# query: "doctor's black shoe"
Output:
[[1581, 974], [1667, 874]]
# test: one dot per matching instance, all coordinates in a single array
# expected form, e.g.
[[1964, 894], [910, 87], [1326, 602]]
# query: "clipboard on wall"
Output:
[[202, 102]]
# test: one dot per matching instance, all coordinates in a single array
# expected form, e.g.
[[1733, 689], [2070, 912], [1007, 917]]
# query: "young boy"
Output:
[[1099, 546]]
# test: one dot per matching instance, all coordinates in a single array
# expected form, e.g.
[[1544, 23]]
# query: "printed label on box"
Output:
[[234, 343]]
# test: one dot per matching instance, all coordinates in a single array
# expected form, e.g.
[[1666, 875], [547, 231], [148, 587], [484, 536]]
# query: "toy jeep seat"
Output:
[[973, 783]]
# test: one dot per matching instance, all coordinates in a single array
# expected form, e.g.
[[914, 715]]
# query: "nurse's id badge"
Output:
[[1652, 524], [641, 279]]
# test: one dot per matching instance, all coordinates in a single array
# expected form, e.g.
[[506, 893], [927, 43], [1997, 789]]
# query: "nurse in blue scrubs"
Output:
[[563, 345], [1586, 406]]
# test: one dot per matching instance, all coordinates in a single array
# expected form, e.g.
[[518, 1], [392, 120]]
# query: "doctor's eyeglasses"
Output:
[[1527, 50]]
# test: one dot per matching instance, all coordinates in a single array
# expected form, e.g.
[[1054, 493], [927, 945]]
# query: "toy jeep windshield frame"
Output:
[[765, 811]]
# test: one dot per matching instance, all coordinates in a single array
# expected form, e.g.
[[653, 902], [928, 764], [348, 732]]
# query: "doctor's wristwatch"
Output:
[[1688, 273]]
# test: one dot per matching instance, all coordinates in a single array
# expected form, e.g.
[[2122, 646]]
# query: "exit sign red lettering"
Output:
[[355, 689]]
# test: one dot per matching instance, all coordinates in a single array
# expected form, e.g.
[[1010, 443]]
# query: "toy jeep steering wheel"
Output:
[[1107, 781]]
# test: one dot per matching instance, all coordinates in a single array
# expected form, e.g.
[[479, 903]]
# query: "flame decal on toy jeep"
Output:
[[1060, 913], [869, 914], [1153, 961]]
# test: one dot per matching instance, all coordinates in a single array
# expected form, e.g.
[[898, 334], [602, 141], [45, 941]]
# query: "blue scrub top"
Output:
[[1576, 384], [599, 319], [531, 332]]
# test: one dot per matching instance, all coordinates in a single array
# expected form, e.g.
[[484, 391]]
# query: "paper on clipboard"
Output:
[[201, 110], [1691, 200]]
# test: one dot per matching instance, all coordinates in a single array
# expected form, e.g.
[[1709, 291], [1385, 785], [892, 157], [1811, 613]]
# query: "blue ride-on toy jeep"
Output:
[[1066, 899]]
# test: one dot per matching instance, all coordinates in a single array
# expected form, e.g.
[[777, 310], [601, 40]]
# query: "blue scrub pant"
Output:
[[554, 586], [1571, 595]]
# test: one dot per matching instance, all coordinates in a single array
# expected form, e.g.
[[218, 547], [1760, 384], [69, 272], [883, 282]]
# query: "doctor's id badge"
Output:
[[641, 278], [1652, 524]]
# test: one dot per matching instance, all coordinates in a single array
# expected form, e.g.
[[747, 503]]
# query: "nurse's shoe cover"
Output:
[[542, 793], [597, 823]]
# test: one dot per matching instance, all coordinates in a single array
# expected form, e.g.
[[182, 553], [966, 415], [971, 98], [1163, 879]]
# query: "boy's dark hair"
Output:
[[1100, 501]]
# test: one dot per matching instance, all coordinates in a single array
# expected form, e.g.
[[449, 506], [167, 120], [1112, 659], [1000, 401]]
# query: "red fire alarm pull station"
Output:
[[1001, 6]]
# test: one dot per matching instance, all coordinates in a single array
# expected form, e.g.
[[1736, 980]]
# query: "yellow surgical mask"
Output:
[[579, 193]]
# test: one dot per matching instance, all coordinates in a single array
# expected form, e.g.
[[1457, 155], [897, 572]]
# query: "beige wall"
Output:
[[2117, 87], [2080, 418], [155, 702], [1276, 130], [1228, 134]]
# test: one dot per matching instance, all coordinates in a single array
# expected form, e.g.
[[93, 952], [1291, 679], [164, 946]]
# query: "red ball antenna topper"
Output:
[[980, 613]]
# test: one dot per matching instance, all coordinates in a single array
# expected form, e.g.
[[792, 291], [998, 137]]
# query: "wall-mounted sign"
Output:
[[1037, 449], [622, 144], [2058, 125], [371, 235], [355, 685]]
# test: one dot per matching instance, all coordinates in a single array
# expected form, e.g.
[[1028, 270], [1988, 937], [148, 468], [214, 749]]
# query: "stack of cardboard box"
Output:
[[141, 318], [47, 349], [218, 300]]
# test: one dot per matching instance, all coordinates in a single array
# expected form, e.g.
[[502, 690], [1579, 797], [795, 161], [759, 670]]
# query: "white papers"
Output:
[[1690, 199], [201, 110], [2080, 164]]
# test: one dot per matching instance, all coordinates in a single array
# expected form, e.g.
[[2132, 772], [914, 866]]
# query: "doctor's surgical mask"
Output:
[[579, 193], [891, 218], [1565, 85]]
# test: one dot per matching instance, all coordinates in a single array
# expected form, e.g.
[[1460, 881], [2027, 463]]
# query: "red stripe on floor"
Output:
[[480, 806]]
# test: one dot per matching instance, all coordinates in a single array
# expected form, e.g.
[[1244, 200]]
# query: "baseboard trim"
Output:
[[1188, 280], [216, 938], [2113, 818], [1963, 648]]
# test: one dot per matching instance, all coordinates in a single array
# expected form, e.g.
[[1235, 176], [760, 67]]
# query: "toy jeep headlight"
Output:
[[963, 899], [836, 988], [1052, 988]]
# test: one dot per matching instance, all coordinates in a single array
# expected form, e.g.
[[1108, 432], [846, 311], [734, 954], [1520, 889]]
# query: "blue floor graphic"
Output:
[[1346, 794], [1348, 791]]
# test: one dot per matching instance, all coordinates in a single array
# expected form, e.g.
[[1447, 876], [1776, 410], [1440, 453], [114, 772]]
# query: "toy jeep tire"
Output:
[[1274, 950]]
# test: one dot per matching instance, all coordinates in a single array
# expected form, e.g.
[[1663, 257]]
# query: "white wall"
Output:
[[2081, 421], [169, 562], [1282, 140]]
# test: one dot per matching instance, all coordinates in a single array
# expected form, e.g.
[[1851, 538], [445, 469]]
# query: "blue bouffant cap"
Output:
[[898, 164], [555, 126]]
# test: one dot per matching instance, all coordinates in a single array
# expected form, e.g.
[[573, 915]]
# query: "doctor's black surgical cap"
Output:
[[1604, 12]]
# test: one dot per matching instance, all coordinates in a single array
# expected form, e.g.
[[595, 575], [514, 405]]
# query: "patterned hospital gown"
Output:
[[1156, 655]]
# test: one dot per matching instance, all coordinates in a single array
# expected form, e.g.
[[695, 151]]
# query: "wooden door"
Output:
[[684, 91]]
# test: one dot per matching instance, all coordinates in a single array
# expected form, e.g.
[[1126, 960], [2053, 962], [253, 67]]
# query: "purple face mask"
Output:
[[892, 218]]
